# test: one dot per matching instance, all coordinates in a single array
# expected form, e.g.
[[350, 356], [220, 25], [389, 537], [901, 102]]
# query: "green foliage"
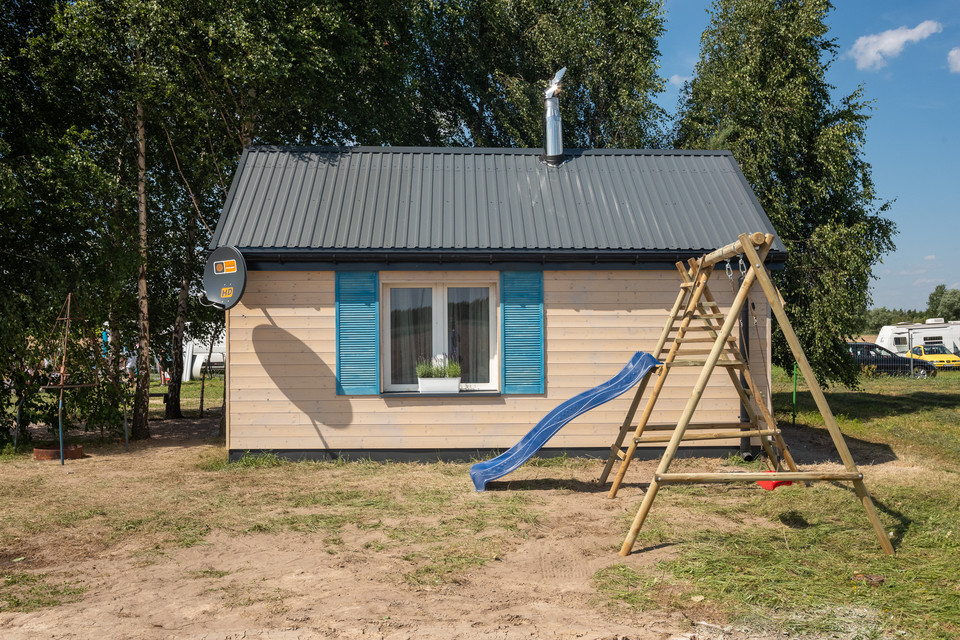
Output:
[[948, 307], [207, 79], [100, 408], [439, 367], [933, 300], [480, 66], [760, 91], [875, 319]]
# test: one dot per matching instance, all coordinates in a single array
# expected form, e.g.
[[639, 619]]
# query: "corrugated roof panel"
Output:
[[303, 200]]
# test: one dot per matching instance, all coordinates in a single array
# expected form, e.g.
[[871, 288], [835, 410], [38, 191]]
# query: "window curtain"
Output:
[[468, 331], [411, 332]]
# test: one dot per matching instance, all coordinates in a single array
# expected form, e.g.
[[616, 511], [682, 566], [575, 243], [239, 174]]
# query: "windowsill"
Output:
[[459, 394]]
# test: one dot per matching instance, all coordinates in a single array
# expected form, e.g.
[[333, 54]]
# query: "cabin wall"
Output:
[[282, 368]]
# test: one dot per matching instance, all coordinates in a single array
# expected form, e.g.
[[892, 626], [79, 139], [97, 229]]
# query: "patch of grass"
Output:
[[29, 592], [357, 499], [214, 459], [8, 453], [800, 574], [182, 530], [620, 583], [442, 564], [919, 415], [264, 459], [736, 460], [208, 573], [301, 523]]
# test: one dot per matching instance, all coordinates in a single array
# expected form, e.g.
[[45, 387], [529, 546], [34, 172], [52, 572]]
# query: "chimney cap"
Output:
[[554, 84]]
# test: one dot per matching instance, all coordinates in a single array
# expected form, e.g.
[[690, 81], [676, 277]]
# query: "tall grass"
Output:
[[804, 560]]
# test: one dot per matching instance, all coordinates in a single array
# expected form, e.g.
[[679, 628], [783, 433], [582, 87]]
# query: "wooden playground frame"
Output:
[[700, 316]]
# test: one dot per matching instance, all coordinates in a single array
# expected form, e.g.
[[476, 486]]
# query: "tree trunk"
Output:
[[179, 325], [141, 408]]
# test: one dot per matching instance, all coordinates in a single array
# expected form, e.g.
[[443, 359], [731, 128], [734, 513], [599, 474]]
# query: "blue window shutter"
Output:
[[358, 333], [521, 304]]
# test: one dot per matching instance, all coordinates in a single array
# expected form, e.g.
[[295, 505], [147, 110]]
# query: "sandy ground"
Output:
[[290, 585]]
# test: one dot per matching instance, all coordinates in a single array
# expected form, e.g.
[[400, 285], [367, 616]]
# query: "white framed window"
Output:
[[426, 316]]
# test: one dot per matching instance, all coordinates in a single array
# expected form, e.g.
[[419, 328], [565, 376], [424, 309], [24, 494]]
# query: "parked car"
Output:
[[884, 362], [938, 354]]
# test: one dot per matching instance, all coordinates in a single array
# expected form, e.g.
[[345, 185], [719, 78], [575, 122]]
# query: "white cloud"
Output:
[[953, 60], [872, 52], [931, 257], [677, 80]]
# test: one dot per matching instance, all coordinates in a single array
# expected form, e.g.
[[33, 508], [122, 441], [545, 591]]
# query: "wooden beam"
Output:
[[713, 435], [798, 476], [732, 249]]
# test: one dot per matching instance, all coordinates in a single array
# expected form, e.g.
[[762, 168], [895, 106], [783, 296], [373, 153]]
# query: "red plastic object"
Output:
[[770, 485]]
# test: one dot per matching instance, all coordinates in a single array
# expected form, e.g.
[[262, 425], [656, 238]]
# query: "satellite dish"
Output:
[[224, 277], [554, 84]]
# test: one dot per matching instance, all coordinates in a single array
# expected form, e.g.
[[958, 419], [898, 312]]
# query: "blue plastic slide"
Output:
[[483, 472]]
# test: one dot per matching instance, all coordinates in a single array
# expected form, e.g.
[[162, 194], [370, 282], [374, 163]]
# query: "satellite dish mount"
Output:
[[224, 278]]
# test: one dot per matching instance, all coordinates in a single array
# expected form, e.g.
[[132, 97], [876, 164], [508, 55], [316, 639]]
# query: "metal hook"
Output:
[[729, 270], [743, 267]]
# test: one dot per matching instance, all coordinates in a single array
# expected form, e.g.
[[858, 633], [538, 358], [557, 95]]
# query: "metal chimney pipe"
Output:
[[553, 133], [552, 125]]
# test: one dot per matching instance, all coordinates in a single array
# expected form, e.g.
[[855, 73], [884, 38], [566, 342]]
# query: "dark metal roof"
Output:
[[396, 203]]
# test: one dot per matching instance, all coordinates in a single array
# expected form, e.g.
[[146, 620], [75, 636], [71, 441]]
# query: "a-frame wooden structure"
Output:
[[696, 320]]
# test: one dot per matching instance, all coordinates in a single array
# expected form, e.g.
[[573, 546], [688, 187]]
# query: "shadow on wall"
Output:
[[303, 377]]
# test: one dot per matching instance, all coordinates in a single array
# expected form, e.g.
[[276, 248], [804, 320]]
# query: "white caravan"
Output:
[[901, 337], [195, 355]]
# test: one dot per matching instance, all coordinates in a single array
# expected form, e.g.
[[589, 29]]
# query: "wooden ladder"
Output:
[[696, 322]]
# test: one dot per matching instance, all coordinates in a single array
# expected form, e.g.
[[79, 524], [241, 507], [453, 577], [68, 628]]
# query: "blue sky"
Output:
[[907, 57]]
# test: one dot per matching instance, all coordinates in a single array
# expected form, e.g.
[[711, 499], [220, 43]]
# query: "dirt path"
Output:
[[292, 585]]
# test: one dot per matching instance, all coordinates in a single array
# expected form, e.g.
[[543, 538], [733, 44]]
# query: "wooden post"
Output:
[[691, 406], [829, 420]]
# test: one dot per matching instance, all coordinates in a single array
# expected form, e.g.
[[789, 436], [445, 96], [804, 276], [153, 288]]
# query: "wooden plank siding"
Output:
[[282, 367]]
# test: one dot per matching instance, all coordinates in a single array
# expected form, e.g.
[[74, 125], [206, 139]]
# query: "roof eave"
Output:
[[480, 256]]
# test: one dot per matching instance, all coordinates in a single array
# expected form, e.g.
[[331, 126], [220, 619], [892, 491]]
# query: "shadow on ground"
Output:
[[813, 445]]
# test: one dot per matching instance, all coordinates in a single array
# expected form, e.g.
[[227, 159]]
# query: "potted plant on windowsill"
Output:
[[440, 375]]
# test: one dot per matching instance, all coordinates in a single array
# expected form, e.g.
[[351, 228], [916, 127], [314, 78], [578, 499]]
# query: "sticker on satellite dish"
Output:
[[224, 277]]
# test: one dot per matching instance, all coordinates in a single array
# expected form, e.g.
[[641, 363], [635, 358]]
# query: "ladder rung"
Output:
[[706, 352], [716, 435], [702, 427], [714, 329], [702, 340], [687, 285], [700, 363], [712, 316]]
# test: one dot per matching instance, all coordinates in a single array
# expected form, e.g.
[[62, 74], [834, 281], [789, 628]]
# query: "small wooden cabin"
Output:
[[540, 280]]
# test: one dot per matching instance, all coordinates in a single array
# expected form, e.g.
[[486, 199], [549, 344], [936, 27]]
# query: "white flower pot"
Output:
[[439, 385]]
